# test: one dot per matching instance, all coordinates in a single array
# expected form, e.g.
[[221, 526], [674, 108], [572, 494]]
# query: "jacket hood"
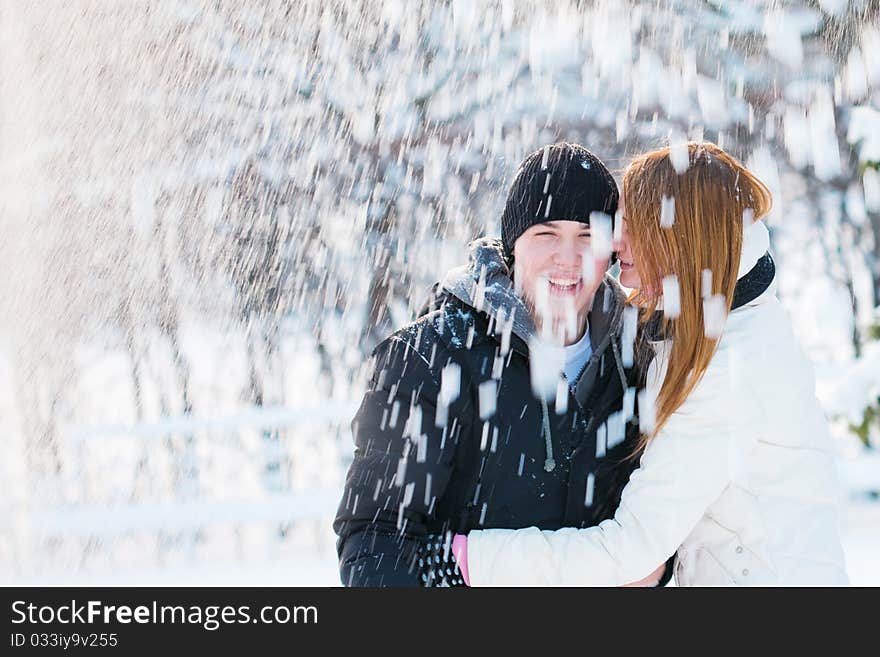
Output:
[[485, 284], [755, 250], [756, 242]]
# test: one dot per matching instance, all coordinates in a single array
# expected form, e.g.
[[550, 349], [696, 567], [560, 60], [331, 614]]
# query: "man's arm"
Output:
[[401, 467]]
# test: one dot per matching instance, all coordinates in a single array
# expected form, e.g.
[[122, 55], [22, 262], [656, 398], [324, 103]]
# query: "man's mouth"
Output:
[[565, 286]]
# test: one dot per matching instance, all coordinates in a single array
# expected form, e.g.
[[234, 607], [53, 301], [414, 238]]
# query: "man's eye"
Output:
[[543, 234]]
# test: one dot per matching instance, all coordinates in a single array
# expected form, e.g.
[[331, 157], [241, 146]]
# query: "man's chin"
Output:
[[561, 316]]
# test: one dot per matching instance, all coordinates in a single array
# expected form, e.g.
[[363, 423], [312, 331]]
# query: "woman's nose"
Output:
[[621, 243]]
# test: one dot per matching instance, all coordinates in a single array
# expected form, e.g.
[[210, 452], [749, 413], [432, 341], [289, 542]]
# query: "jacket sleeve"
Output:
[[683, 470], [401, 467]]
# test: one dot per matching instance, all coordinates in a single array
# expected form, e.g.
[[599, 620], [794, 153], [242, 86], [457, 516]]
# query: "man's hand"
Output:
[[651, 580], [439, 564]]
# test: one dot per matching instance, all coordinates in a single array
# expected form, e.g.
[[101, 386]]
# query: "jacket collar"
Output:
[[755, 283], [485, 284]]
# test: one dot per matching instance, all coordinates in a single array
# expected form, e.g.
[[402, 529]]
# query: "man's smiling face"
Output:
[[557, 274]]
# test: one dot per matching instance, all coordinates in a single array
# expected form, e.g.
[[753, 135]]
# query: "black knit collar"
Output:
[[755, 283], [748, 288]]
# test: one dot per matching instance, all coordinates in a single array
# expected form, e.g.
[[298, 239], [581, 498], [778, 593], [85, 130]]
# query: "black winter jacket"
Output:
[[450, 436]]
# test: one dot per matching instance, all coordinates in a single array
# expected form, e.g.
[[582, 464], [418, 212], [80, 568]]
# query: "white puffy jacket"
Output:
[[740, 482]]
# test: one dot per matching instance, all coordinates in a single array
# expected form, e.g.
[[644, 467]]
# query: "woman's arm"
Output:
[[682, 472]]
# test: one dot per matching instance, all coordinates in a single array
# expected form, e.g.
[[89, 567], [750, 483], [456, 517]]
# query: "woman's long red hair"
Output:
[[713, 199]]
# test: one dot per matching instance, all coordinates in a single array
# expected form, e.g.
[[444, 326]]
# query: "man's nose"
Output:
[[569, 253]]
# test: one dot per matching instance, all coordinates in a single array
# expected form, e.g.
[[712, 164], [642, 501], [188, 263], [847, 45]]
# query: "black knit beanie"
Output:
[[558, 182]]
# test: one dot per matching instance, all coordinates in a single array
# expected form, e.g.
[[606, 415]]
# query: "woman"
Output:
[[737, 475]]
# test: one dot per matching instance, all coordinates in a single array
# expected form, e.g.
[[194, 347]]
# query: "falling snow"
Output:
[[647, 411], [213, 212], [714, 315], [488, 396], [678, 152], [601, 234], [667, 211], [671, 297], [546, 363]]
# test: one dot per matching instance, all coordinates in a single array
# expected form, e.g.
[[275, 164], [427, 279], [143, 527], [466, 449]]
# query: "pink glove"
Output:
[[459, 551]]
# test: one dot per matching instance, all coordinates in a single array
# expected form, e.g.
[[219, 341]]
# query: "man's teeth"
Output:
[[564, 282]]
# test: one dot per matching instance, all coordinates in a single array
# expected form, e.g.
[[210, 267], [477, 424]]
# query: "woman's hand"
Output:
[[651, 580]]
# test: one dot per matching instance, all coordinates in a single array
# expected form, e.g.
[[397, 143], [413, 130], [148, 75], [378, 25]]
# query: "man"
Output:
[[509, 402]]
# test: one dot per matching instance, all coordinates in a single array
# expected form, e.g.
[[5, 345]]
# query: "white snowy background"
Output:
[[211, 211]]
